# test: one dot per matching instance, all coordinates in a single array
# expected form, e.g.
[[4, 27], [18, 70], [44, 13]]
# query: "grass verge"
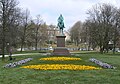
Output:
[[30, 76]]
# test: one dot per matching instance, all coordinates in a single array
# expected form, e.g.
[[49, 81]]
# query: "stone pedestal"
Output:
[[60, 49], [60, 41]]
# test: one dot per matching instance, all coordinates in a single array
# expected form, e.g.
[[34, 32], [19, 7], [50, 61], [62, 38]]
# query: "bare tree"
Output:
[[25, 24], [37, 33], [37, 28], [116, 29], [43, 33], [101, 18], [75, 32], [7, 8]]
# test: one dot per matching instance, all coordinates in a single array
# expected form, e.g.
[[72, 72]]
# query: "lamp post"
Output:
[[48, 38], [54, 35], [85, 46], [8, 48]]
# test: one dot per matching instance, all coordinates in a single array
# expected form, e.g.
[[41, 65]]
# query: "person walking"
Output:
[[10, 54]]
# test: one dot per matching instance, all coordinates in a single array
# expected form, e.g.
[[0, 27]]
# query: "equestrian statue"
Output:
[[60, 24]]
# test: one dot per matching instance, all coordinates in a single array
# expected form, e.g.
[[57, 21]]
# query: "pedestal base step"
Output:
[[59, 51]]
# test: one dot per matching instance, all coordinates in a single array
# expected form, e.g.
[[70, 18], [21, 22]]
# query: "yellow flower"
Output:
[[60, 58], [60, 67]]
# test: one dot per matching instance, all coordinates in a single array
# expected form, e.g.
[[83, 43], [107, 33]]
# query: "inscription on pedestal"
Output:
[[61, 49], [60, 41]]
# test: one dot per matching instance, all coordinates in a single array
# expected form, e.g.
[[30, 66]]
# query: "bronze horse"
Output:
[[60, 24]]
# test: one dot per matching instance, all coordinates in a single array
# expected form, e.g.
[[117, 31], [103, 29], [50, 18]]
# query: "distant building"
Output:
[[67, 34], [52, 33]]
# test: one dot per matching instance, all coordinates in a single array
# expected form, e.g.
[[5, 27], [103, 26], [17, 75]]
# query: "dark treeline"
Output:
[[101, 28], [18, 29]]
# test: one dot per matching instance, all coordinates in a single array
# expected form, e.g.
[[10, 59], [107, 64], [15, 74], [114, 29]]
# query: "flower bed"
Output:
[[102, 64], [60, 58], [14, 64], [60, 67]]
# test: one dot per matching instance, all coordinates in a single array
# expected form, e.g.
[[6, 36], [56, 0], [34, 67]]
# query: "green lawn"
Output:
[[29, 76]]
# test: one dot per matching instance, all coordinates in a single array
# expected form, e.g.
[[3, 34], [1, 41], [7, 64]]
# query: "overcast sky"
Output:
[[72, 10]]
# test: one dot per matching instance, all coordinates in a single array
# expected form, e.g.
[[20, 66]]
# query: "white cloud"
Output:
[[108, 1], [113, 2], [72, 10]]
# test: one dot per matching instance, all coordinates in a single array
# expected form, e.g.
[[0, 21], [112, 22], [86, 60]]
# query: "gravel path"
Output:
[[21, 54]]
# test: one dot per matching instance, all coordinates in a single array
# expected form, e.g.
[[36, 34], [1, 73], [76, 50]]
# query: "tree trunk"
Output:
[[23, 38], [36, 44], [101, 49], [3, 48], [22, 43], [4, 26], [114, 47], [36, 40]]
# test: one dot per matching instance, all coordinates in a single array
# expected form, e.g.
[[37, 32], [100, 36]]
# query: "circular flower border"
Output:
[[60, 67], [60, 58]]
